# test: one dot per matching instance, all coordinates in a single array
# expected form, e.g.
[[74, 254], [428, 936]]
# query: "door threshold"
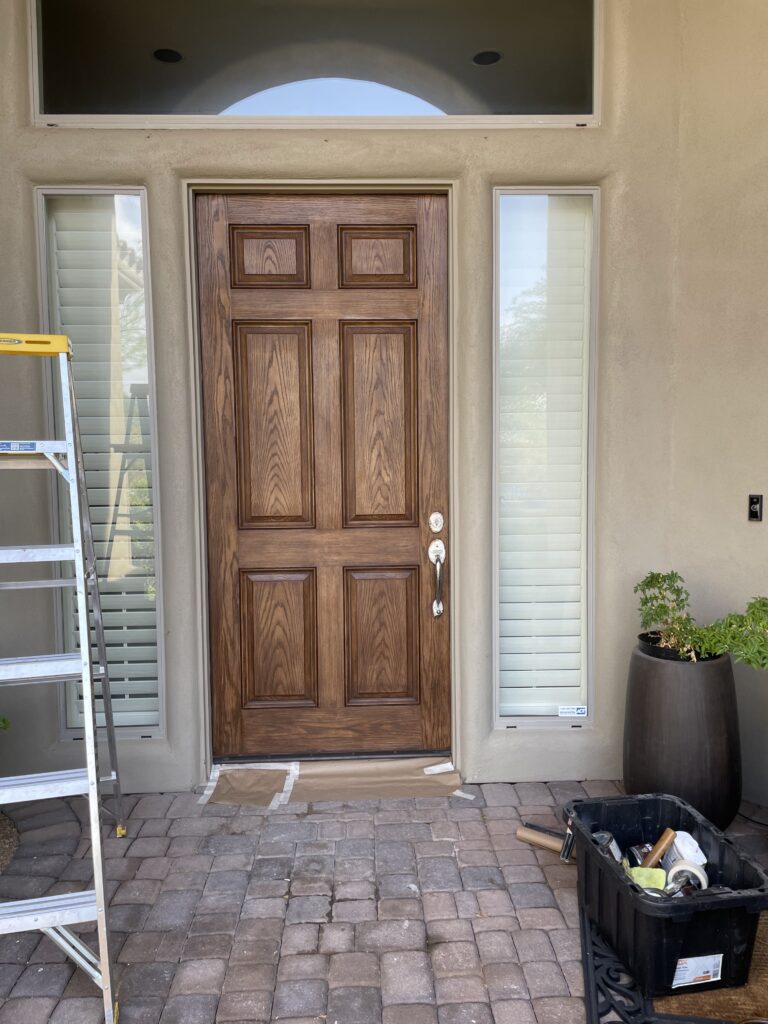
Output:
[[355, 756]]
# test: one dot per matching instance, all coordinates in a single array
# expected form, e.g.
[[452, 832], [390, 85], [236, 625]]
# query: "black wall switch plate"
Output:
[[755, 508]]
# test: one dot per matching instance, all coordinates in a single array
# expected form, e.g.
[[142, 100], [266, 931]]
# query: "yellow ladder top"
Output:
[[34, 344]]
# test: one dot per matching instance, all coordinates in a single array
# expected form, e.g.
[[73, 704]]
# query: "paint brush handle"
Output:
[[664, 842]]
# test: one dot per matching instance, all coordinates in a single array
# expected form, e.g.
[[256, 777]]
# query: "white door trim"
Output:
[[190, 187]]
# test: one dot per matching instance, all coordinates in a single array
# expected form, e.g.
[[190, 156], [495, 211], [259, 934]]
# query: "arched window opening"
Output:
[[332, 97]]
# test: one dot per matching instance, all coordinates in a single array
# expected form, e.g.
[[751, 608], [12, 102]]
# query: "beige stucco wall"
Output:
[[682, 365]]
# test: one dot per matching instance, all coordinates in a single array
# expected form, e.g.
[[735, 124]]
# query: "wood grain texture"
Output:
[[221, 472], [335, 303], [377, 256], [314, 209], [354, 730], [331, 547], [329, 406], [382, 635], [273, 396], [380, 445], [269, 257], [278, 627], [434, 421]]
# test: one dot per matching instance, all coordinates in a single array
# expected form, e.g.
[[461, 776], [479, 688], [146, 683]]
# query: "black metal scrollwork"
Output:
[[610, 992]]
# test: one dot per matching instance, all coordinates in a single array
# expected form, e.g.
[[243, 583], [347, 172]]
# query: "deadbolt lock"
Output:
[[436, 522]]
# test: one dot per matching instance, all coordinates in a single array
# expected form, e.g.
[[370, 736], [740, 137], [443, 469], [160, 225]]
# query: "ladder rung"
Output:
[[43, 786], [38, 553], [33, 447], [35, 344], [38, 584], [47, 912], [25, 462], [47, 667]]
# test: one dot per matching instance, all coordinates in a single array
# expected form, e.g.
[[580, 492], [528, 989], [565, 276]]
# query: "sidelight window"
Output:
[[96, 285], [544, 296]]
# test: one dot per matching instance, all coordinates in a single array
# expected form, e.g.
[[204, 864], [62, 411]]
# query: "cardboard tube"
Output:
[[662, 845], [529, 835]]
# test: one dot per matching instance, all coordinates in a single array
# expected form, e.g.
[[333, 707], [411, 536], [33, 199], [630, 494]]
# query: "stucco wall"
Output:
[[719, 366], [681, 359]]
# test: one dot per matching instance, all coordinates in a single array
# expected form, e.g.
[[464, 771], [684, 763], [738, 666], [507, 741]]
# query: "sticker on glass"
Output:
[[572, 711]]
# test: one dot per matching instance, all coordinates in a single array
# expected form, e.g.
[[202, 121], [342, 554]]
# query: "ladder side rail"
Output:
[[89, 707], [98, 621]]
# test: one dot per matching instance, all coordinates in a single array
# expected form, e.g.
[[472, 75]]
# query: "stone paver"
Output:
[[406, 978], [465, 1013], [356, 1005], [375, 912], [410, 1014]]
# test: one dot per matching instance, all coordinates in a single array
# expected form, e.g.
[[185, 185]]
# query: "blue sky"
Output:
[[523, 247], [332, 97]]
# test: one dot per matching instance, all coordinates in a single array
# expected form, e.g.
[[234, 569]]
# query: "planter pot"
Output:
[[681, 732]]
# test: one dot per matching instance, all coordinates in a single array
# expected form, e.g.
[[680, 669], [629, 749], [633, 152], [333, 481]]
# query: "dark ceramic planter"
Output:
[[681, 732]]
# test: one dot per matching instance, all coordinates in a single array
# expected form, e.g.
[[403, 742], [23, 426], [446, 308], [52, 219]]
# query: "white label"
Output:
[[572, 711], [698, 970], [17, 446]]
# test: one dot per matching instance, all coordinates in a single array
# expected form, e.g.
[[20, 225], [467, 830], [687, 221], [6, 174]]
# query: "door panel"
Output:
[[378, 384], [377, 257], [324, 354], [269, 257], [273, 396], [382, 627], [278, 629]]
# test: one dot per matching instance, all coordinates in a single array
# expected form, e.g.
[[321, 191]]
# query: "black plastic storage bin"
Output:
[[652, 934]]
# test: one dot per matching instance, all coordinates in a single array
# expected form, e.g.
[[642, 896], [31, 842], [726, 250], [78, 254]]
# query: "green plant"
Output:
[[664, 613], [744, 635]]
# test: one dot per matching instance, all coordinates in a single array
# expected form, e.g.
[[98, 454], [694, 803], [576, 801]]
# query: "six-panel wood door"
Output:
[[324, 338]]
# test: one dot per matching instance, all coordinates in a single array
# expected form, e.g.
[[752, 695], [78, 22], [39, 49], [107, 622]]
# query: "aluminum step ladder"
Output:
[[54, 914]]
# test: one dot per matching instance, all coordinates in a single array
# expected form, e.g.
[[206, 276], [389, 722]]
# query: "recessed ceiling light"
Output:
[[486, 57], [167, 56]]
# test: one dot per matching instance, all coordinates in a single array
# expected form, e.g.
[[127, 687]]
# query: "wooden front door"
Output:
[[324, 338]]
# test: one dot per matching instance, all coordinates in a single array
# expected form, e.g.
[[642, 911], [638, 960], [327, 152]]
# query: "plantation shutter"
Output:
[[96, 296], [544, 330]]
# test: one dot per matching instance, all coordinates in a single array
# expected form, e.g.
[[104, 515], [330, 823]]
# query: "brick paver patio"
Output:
[[389, 912]]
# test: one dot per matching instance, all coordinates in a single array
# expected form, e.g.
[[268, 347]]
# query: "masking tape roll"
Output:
[[684, 867]]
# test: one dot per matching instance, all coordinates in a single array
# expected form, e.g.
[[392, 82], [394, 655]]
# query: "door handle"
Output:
[[436, 552]]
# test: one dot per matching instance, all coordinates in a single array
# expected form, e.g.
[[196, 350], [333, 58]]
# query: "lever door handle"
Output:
[[436, 553]]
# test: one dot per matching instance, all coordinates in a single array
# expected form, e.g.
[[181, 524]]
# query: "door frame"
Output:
[[285, 186]]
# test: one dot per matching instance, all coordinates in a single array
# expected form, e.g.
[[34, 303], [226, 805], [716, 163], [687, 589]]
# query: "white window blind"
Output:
[[544, 261], [97, 296]]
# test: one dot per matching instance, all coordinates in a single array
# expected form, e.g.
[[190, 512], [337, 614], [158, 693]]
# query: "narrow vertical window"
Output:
[[97, 295], [544, 259]]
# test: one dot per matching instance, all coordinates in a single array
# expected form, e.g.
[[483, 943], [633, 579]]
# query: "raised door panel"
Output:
[[382, 635], [278, 628], [377, 256], [273, 399], [269, 257], [379, 411]]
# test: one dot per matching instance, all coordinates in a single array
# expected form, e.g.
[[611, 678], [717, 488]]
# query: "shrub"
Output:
[[664, 614]]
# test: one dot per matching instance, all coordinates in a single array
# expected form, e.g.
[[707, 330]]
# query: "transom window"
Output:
[[318, 58]]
